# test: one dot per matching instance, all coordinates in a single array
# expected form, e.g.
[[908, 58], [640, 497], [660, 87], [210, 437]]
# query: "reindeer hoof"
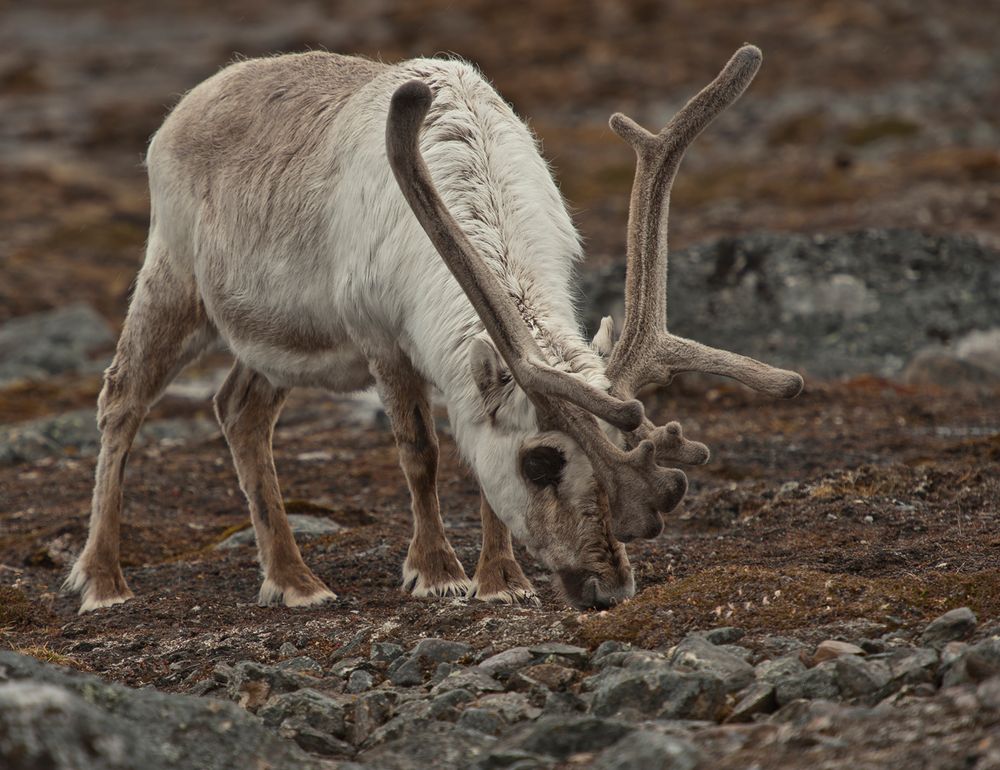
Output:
[[99, 588], [503, 582], [306, 591], [435, 573], [509, 595]]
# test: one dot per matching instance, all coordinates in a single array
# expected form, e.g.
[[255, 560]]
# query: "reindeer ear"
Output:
[[491, 375], [604, 340]]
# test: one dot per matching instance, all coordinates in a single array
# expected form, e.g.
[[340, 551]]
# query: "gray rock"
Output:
[[359, 681], [288, 650], [302, 664], [406, 671], [441, 745], [308, 707], [37, 346], [57, 719], [606, 648], [817, 683], [915, 665], [758, 698], [385, 652], [303, 525], [482, 720], [724, 635], [778, 670], [446, 705], [441, 650], [645, 750], [696, 653], [512, 706], [953, 626], [974, 664], [660, 693], [371, 711], [577, 655], [472, 679], [560, 737], [251, 683], [858, 678], [971, 360], [506, 662], [75, 433]]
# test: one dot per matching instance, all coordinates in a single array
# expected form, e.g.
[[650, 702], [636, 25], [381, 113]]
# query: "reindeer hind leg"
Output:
[[165, 328]]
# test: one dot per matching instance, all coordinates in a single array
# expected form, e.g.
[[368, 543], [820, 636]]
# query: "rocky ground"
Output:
[[843, 219]]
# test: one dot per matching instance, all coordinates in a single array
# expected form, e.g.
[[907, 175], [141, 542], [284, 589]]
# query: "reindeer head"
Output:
[[591, 472]]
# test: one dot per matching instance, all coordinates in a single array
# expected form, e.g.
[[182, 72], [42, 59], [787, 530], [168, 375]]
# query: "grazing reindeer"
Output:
[[276, 225]]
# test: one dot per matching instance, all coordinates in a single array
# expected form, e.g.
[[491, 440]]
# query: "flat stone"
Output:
[[474, 680], [439, 745], [506, 662], [647, 750], [831, 648], [953, 626], [441, 650], [578, 655]]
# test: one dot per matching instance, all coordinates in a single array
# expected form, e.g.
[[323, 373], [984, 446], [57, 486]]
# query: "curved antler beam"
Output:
[[647, 352]]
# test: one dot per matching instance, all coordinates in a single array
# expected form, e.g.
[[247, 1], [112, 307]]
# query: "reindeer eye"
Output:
[[543, 466]]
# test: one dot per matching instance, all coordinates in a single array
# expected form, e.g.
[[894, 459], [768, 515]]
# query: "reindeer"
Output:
[[276, 227]]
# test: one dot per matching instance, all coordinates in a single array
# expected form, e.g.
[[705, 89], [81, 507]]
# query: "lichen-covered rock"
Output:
[[37, 346], [660, 693], [438, 745], [645, 750], [559, 737], [58, 719], [696, 653]]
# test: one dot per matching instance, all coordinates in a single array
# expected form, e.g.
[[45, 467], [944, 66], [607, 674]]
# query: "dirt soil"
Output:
[[858, 508]]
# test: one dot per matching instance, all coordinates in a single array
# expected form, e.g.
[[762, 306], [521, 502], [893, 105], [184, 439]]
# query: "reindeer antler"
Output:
[[647, 352], [637, 488]]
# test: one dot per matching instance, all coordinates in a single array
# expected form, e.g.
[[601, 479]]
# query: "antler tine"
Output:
[[646, 352], [505, 326]]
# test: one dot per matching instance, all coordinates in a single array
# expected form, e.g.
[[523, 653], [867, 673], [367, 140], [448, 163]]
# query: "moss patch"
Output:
[[18, 611], [773, 601]]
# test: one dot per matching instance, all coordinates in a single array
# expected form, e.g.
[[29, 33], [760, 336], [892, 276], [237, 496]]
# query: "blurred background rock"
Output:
[[865, 114]]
